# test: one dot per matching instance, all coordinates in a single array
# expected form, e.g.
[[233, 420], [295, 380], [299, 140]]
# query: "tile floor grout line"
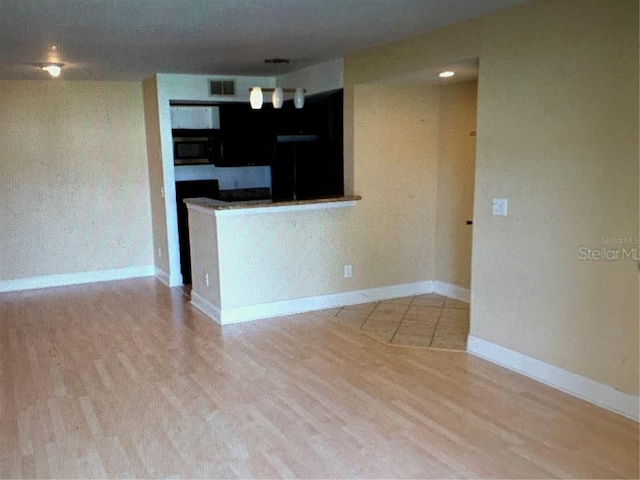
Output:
[[401, 319], [441, 308], [433, 335], [367, 319]]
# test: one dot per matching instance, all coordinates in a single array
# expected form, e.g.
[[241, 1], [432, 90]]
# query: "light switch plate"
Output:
[[500, 207], [348, 271]]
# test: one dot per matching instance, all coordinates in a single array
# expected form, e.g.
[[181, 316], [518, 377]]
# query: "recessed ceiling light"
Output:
[[446, 74]]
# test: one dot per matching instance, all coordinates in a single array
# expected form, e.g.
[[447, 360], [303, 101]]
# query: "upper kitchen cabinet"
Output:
[[195, 117], [248, 136]]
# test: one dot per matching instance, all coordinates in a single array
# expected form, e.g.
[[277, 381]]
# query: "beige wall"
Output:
[[74, 188], [269, 257], [156, 175], [395, 143], [456, 174], [557, 136], [414, 164]]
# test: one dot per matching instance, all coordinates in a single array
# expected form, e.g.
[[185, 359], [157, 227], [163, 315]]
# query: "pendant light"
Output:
[[277, 98], [53, 69], [298, 98], [255, 98], [277, 94]]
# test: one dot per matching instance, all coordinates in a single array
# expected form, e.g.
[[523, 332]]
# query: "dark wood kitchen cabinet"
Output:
[[248, 136], [305, 169], [309, 159]]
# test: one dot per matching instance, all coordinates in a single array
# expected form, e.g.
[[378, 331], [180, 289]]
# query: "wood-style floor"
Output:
[[126, 379]]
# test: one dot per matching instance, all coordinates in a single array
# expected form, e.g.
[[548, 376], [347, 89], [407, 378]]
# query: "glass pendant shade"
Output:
[[277, 98], [53, 70], [255, 98], [298, 98]]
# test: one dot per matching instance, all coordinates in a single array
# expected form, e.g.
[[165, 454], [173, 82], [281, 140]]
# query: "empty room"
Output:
[[319, 239]]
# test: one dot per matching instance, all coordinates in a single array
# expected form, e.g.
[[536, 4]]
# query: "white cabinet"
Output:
[[200, 117]]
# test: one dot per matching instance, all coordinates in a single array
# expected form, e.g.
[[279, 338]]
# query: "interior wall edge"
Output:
[[163, 276], [452, 291]]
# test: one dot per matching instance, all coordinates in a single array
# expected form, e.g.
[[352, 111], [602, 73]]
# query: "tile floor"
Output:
[[430, 320]]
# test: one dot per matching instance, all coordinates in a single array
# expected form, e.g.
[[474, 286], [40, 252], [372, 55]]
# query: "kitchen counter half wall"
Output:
[[261, 259]]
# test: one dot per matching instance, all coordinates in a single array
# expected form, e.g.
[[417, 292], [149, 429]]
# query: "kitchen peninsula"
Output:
[[261, 259], [198, 130]]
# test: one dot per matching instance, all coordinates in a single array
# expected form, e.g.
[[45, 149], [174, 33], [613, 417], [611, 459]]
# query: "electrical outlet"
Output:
[[159, 253], [348, 271], [206, 279]]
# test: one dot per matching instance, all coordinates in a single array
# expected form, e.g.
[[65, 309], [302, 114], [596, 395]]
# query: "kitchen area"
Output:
[[248, 201], [230, 152]]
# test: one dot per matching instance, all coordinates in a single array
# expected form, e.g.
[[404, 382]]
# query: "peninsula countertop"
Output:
[[219, 206]]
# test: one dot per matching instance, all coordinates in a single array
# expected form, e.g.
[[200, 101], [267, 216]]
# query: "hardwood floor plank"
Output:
[[127, 380]]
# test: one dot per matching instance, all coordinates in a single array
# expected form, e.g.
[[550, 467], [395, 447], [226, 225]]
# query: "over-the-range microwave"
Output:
[[196, 150]]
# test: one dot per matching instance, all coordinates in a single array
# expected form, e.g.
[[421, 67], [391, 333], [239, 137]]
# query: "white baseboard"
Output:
[[228, 316], [585, 388], [452, 291], [206, 307], [163, 276], [48, 281], [174, 280]]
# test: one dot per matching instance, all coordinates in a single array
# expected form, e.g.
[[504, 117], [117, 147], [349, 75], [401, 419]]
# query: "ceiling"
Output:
[[132, 39]]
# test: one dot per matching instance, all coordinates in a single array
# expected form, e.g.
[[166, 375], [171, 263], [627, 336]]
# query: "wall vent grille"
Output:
[[222, 87]]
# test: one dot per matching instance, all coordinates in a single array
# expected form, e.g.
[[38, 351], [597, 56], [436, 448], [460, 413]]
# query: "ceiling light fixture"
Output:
[[278, 97], [53, 69], [256, 98], [446, 74], [298, 97]]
